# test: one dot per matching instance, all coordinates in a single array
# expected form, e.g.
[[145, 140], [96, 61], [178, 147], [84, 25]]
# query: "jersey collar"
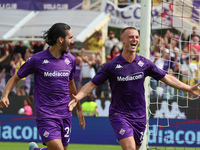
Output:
[[135, 60], [51, 56]]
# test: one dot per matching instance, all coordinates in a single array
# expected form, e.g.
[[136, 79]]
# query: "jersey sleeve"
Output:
[[27, 68], [155, 72], [73, 69], [102, 75]]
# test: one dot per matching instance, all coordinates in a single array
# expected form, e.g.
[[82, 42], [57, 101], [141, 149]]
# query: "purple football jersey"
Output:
[[127, 84], [51, 83]]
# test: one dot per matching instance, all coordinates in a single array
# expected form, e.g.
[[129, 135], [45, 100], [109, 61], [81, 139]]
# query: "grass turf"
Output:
[[24, 146]]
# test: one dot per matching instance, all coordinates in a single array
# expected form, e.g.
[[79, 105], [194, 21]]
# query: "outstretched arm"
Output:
[[84, 91], [174, 82], [4, 102]]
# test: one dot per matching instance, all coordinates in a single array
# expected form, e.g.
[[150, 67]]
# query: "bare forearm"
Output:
[[2, 73], [78, 106], [10, 85], [72, 89], [3, 58], [85, 90], [175, 83]]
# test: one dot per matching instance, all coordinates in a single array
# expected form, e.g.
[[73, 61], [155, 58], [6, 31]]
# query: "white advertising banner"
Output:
[[130, 15]]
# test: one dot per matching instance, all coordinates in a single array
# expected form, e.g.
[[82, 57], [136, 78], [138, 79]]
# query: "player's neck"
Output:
[[129, 56], [55, 52]]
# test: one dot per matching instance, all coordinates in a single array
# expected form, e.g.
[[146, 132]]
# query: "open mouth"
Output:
[[133, 44]]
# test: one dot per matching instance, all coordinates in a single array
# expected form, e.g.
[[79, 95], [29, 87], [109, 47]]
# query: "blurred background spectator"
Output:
[[27, 110], [89, 107], [95, 43], [16, 64], [20, 48], [77, 75], [110, 41]]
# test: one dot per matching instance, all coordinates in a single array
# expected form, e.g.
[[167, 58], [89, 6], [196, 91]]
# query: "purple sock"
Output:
[[40, 148]]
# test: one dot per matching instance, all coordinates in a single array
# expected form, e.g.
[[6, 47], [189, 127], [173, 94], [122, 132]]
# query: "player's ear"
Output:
[[122, 40], [60, 39]]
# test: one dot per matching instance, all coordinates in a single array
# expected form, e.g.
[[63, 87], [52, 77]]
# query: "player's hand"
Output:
[[4, 102], [72, 103], [81, 118], [196, 89]]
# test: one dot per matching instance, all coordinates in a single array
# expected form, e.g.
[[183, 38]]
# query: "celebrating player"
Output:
[[53, 70], [126, 74]]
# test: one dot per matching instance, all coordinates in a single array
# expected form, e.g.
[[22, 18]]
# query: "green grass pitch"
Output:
[[24, 146]]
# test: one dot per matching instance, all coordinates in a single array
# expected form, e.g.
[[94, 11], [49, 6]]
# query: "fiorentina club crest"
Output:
[[140, 63], [67, 61], [46, 134]]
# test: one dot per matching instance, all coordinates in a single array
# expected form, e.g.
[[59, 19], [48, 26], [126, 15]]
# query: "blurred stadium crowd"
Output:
[[13, 55], [176, 55]]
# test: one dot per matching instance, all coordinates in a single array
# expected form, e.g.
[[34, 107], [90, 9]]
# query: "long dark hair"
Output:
[[57, 30]]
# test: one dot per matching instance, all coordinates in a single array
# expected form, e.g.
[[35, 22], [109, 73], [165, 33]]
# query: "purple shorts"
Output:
[[125, 127], [54, 128]]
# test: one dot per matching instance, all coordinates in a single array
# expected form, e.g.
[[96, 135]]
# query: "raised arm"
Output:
[[2, 73], [4, 57]]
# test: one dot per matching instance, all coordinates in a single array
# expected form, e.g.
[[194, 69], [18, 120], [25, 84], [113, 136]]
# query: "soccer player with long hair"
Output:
[[53, 70]]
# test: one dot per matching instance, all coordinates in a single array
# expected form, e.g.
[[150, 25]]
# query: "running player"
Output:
[[126, 74], [53, 70]]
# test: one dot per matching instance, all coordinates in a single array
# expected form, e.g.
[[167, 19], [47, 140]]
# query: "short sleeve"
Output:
[[154, 71], [27, 68], [102, 75], [73, 70]]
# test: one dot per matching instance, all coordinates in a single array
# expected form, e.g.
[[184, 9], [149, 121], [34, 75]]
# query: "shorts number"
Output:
[[67, 129], [142, 134]]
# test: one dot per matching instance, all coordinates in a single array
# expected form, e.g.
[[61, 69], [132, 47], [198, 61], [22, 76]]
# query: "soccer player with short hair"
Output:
[[126, 74], [53, 70]]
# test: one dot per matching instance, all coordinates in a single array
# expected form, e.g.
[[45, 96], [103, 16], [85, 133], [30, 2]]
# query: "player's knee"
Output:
[[55, 144]]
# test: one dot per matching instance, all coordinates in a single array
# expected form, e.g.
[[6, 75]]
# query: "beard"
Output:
[[64, 48], [65, 51]]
